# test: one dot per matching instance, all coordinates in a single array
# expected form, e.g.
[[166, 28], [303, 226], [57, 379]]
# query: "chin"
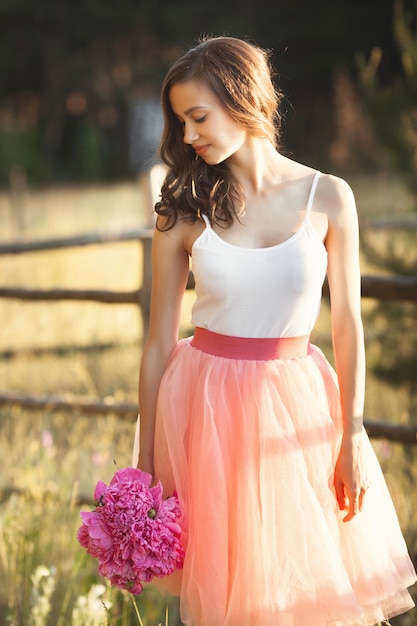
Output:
[[210, 160]]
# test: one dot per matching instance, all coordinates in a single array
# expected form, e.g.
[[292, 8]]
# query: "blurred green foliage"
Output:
[[70, 72], [393, 106], [21, 147]]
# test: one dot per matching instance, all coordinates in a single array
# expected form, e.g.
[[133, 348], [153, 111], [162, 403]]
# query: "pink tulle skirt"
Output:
[[248, 436]]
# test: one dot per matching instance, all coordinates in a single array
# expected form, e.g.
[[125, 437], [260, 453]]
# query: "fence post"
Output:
[[145, 291], [151, 183]]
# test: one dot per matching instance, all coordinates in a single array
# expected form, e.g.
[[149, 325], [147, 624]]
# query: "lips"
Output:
[[201, 150]]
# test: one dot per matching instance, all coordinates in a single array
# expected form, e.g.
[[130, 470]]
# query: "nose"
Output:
[[190, 133]]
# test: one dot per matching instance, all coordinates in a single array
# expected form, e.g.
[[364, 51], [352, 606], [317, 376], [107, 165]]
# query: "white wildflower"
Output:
[[91, 609], [43, 586]]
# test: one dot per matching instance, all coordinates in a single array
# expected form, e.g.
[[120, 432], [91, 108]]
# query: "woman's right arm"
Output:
[[170, 267]]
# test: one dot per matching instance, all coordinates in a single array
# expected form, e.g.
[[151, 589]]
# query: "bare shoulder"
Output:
[[335, 197], [179, 237]]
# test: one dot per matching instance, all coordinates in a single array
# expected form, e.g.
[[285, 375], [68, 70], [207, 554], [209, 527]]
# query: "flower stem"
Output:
[[136, 610]]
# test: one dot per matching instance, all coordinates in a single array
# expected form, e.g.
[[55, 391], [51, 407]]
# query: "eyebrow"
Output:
[[199, 106], [190, 110]]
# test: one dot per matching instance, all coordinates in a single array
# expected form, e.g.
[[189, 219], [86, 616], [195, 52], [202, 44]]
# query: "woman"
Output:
[[287, 519]]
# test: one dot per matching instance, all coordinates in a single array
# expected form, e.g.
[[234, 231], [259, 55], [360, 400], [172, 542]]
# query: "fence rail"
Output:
[[393, 222], [401, 433], [94, 295], [378, 287], [97, 406], [86, 239], [389, 287]]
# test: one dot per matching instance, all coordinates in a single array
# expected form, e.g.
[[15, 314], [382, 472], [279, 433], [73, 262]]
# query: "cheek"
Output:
[[231, 135], [235, 141]]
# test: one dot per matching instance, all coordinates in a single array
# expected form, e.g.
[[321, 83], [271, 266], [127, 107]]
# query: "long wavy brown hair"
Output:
[[240, 76]]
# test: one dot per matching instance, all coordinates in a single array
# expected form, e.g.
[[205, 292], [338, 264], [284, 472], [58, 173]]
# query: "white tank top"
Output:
[[259, 292]]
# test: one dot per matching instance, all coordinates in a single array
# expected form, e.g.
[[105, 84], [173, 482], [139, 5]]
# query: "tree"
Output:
[[393, 104]]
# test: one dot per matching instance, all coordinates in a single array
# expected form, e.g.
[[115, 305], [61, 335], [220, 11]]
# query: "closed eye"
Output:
[[200, 120]]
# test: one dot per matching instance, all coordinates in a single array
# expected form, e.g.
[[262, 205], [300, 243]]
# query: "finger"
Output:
[[353, 509], [341, 496], [362, 498]]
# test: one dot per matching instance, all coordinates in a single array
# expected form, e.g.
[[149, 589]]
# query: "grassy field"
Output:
[[53, 459]]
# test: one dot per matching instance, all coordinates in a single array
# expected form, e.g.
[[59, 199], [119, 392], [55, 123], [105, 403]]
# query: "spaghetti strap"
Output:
[[312, 194], [206, 220]]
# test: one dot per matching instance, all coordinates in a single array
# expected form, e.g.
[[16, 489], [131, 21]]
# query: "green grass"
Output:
[[52, 459]]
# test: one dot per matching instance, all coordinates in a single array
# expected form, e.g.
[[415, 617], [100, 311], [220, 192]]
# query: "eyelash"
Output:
[[199, 121]]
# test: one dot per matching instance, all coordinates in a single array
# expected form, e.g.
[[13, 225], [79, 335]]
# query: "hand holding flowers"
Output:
[[133, 533]]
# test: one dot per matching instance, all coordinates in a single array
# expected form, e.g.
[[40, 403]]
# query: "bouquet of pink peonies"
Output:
[[133, 532]]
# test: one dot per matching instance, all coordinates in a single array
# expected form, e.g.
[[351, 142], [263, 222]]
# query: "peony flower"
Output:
[[133, 533]]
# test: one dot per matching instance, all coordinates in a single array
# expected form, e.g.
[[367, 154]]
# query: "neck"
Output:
[[256, 165]]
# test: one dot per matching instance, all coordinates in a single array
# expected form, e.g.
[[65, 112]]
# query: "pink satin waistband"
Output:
[[251, 348]]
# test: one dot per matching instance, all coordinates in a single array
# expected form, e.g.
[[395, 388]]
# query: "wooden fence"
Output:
[[140, 297], [379, 287], [401, 433]]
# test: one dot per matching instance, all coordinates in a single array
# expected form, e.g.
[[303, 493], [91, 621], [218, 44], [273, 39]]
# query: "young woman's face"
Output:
[[208, 128]]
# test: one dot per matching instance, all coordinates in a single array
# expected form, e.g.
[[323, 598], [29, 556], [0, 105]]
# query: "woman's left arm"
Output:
[[342, 243]]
